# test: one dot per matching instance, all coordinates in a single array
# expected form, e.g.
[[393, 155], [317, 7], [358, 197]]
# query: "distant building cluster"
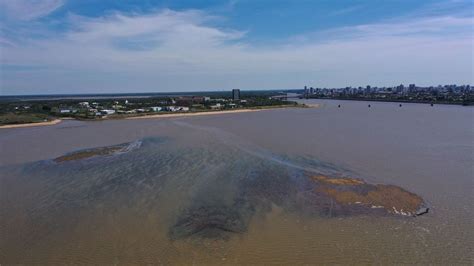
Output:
[[100, 108], [446, 93], [104, 108]]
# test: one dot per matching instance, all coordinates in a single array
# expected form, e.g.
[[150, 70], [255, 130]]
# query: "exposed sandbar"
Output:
[[88, 153], [352, 192]]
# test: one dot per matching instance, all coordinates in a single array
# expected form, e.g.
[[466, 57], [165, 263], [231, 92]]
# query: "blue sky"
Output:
[[93, 46]]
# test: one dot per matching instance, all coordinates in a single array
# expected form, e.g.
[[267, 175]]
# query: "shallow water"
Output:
[[253, 167]]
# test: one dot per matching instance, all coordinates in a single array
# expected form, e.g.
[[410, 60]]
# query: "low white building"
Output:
[[156, 108], [108, 111], [216, 106], [177, 108], [219, 100]]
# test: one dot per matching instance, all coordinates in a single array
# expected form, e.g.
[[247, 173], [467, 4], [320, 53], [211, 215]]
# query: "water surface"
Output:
[[251, 167]]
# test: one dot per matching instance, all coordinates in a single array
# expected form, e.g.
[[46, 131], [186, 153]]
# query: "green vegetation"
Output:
[[21, 110], [23, 118]]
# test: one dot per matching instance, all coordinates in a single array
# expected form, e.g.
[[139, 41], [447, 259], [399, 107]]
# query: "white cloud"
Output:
[[169, 51], [167, 26], [29, 9], [431, 25], [441, 26]]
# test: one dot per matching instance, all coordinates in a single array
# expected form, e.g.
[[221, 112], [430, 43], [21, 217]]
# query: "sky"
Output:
[[113, 46]]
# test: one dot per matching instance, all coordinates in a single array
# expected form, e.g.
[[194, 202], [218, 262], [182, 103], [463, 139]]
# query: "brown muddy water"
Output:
[[239, 188]]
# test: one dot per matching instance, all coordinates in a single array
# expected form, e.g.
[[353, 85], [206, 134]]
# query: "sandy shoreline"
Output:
[[57, 121], [48, 123], [196, 114]]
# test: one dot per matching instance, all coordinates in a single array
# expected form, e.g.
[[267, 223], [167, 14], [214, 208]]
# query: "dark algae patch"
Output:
[[200, 192], [213, 221], [326, 197]]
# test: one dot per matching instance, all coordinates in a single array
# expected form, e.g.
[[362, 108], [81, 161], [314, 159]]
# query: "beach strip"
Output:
[[47, 123], [57, 121], [196, 114]]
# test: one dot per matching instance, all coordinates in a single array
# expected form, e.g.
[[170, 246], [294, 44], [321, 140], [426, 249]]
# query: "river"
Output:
[[124, 208]]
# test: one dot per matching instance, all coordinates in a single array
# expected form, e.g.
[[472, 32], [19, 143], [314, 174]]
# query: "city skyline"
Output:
[[70, 47]]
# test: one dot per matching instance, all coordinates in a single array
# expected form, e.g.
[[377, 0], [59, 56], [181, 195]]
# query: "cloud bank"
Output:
[[166, 50], [29, 9]]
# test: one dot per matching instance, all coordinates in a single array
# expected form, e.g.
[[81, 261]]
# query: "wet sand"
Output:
[[198, 113], [48, 123]]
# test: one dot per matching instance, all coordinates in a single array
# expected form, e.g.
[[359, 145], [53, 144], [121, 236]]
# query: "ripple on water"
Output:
[[157, 197]]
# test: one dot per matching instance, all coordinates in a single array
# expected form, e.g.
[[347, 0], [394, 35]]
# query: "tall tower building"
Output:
[[235, 94]]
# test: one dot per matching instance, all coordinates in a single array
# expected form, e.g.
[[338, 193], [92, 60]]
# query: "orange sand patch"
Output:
[[347, 191], [391, 198], [338, 181]]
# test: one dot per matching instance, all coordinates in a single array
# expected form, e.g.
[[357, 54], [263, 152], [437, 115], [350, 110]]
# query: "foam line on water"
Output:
[[234, 141]]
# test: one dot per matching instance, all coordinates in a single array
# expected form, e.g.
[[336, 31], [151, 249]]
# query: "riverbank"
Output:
[[167, 115], [198, 113], [469, 103], [256, 109], [47, 123]]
